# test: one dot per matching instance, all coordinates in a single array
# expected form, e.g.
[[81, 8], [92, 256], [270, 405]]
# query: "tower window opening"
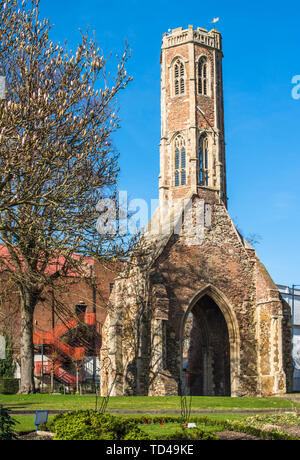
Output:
[[182, 86], [179, 78], [181, 70], [203, 76], [183, 158], [80, 308], [203, 165], [177, 160], [180, 161]]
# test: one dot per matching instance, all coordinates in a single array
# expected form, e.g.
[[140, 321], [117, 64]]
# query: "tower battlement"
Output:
[[179, 36]]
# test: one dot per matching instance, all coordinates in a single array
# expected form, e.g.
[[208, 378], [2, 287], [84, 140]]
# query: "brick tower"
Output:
[[192, 149], [195, 311]]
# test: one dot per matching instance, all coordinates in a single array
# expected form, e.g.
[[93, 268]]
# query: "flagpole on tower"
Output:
[[214, 21]]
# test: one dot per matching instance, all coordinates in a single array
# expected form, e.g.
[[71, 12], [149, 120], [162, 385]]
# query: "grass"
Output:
[[155, 431], [20, 403], [139, 403], [211, 423], [25, 423]]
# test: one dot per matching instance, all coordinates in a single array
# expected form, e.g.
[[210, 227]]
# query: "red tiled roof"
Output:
[[55, 265]]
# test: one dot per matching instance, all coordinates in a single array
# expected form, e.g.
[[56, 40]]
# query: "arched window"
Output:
[[180, 161], [203, 76], [179, 78], [203, 160]]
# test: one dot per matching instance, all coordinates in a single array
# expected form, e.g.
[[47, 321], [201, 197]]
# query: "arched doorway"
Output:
[[209, 347]]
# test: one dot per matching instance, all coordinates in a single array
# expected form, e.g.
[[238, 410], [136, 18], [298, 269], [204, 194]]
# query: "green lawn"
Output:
[[25, 423], [155, 431], [145, 404]]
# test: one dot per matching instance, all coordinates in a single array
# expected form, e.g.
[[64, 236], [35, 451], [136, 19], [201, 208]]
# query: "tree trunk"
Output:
[[26, 343]]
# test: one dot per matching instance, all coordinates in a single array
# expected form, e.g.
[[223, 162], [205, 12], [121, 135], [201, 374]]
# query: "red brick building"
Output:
[[67, 324]]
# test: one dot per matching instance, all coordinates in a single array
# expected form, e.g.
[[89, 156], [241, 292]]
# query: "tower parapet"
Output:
[[179, 36]]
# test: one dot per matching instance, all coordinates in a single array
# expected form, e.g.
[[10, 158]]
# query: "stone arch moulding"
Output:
[[175, 58], [174, 134], [178, 83], [233, 331]]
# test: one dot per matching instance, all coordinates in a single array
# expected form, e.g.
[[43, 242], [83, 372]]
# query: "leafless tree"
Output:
[[56, 158]]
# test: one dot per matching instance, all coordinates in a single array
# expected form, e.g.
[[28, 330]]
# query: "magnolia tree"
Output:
[[56, 158]]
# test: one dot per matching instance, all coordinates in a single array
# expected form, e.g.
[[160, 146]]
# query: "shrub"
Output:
[[7, 365], [288, 419], [136, 435], [89, 425], [194, 434], [7, 425], [9, 386]]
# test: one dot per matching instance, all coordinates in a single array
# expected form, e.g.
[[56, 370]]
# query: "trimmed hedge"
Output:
[[241, 427], [93, 426], [193, 434], [237, 426], [9, 386], [90, 425]]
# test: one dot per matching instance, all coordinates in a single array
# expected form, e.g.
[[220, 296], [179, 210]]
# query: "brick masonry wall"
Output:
[[69, 293]]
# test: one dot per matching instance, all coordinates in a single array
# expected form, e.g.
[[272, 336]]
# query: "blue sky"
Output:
[[261, 45]]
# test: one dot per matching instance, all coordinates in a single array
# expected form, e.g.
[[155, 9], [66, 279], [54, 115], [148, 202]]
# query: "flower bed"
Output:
[[90, 425]]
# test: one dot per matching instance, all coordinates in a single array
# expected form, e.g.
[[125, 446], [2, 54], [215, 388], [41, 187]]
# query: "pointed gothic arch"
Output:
[[203, 76], [178, 76], [214, 297], [203, 160], [179, 161]]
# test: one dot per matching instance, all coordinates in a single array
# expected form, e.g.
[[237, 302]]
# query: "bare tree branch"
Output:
[[57, 158]]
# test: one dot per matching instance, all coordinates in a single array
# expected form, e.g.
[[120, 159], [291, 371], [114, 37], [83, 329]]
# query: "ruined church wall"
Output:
[[223, 262]]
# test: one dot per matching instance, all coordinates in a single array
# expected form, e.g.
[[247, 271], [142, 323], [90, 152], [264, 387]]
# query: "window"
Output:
[[203, 76], [80, 308], [179, 78], [203, 160], [183, 166], [180, 161]]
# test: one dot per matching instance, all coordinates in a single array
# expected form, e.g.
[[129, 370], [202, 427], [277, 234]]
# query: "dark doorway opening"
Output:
[[206, 351]]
